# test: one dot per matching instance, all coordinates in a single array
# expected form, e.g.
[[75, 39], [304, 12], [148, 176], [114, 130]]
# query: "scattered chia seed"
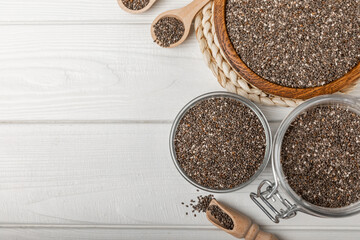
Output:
[[224, 220], [220, 143], [320, 156], [296, 43], [168, 30], [135, 4], [202, 203]]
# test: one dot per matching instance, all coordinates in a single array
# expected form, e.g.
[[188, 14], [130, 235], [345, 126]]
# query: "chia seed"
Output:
[[296, 43], [202, 203], [320, 156], [220, 143], [224, 220], [168, 30], [135, 4]]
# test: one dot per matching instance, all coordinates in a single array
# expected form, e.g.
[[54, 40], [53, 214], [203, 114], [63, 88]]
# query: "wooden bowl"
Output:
[[271, 88]]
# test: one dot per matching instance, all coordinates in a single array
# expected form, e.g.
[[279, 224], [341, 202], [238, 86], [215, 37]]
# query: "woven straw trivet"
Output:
[[227, 77]]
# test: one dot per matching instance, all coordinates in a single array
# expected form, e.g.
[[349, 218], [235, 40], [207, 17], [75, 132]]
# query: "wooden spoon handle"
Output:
[[265, 236], [244, 227], [188, 12], [255, 233]]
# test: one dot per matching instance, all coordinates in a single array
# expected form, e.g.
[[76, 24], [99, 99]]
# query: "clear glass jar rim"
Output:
[[243, 100], [276, 164]]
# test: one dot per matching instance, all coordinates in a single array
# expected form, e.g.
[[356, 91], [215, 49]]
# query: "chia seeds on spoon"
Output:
[[224, 220], [296, 43], [220, 143], [320, 156], [168, 30], [135, 4]]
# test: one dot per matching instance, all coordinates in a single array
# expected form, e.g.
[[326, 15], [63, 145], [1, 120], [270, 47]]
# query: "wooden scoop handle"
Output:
[[244, 227], [255, 233]]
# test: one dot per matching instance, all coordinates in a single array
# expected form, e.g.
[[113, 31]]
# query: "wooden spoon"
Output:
[[243, 225], [147, 7], [185, 15]]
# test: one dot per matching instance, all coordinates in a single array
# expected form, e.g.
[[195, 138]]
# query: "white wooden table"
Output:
[[86, 104]]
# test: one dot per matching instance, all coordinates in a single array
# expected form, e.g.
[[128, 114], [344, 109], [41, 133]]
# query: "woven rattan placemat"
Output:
[[226, 76]]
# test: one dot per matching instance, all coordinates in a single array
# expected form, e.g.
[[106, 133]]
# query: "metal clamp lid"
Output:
[[270, 193]]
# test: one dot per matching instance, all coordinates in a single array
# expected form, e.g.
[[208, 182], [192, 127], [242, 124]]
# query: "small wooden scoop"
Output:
[[185, 15], [243, 225], [147, 7]]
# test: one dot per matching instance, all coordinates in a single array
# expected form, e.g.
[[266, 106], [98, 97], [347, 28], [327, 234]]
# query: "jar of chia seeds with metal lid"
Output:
[[220, 142], [315, 161]]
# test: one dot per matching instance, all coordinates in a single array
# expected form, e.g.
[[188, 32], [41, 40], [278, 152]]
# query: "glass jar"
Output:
[[275, 190], [246, 102]]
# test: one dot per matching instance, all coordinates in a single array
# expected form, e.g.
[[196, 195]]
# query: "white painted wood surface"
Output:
[[86, 104]]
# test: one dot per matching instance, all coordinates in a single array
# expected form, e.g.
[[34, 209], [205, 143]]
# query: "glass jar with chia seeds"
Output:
[[237, 103], [288, 201]]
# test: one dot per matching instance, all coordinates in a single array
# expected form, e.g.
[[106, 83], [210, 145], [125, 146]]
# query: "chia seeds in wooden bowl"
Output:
[[220, 142], [297, 43], [316, 156]]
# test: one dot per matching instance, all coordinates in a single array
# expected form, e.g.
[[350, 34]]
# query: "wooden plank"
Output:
[[208, 233], [99, 72], [81, 11], [112, 174]]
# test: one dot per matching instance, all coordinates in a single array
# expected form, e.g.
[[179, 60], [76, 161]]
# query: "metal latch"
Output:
[[271, 192]]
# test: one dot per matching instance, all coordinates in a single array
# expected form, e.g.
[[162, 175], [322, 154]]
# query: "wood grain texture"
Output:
[[96, 72], [78, 11], [109, 174], [154, 232], [271, 88], [84, 131]]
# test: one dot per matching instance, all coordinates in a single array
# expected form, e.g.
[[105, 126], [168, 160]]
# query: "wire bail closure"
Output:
[[271, 192]]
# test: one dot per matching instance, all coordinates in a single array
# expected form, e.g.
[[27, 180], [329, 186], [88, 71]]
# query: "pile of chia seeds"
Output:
[[220, 143], [168, 30], [296, 43], [135, 4], [320, 156]]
